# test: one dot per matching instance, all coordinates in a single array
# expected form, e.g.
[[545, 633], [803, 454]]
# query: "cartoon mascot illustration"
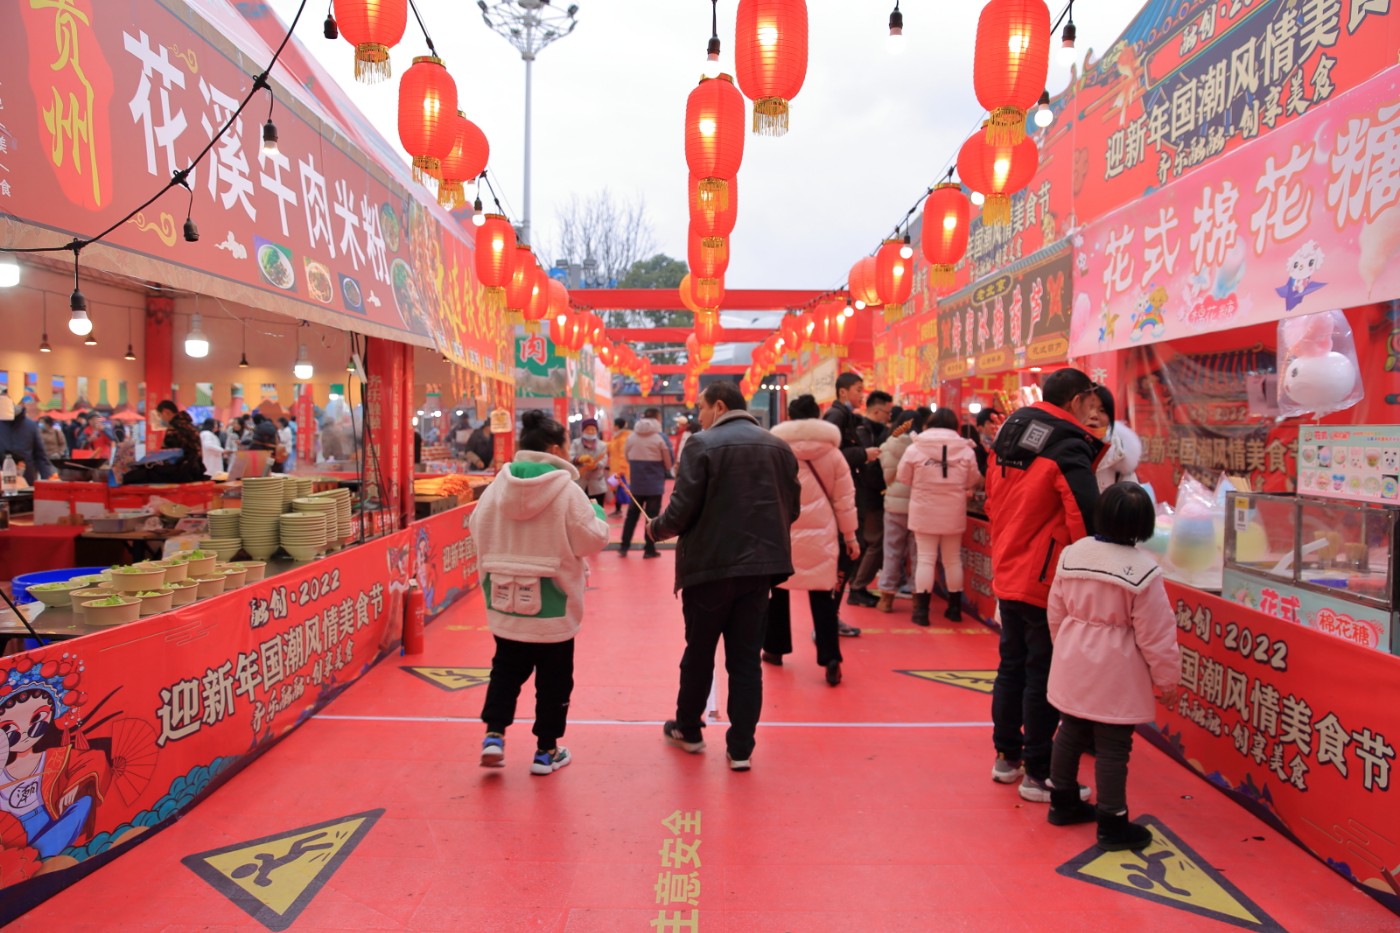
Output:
[[1302, 267]]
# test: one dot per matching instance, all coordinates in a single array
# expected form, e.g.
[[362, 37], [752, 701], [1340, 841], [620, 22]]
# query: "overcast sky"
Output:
[[870, 131]]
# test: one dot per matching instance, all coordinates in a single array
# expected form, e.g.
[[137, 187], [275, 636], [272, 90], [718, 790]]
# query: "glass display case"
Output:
[[1324, 563]]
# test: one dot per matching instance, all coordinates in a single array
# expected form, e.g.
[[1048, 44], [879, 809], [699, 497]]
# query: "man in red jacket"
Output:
[[1041, 493]]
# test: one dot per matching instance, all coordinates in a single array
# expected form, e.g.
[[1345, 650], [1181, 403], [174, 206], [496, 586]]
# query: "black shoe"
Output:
[[920, 616], [622, 552], [844, 630], [772, 657], [1067, 809], [833, 673], [1116, 833], [675, 736], [862, 597], [646, 555], [954, 611]]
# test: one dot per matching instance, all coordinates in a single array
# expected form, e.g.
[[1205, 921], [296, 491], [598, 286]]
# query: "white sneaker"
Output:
[[738, 764], [1007, 772], [549, 762]]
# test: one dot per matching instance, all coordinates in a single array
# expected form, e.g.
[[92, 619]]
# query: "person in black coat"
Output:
[[19, 437]]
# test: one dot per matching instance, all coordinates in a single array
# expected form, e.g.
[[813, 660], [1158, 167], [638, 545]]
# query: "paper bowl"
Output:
[[138, 578], [55, 594], [150, 605], [200, 566], [234, 575], [256, 569], [128, 611], [176, 571], [211, 585], [184, 592]]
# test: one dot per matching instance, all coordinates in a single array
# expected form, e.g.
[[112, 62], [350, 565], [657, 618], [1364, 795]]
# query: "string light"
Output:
[[711, 68], [196, 343], [303, 369], [1066, 53], [1044, 116], [79, 324], [269, 131], [895, 43], [9, 273]]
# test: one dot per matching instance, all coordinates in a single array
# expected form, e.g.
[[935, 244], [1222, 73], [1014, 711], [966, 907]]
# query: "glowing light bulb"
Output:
[[974, 407], [1044, 116], [768, 35], [978, 198], [707, 126], [9, 273], [303, 369], [80, 325], [711, 68], [196, 343], [1018, 43], [950, 223]]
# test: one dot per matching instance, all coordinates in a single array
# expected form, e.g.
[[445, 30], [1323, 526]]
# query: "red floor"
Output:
[[869, 809]]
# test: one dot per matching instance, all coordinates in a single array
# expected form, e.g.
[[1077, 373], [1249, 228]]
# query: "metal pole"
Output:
[[525, 220]]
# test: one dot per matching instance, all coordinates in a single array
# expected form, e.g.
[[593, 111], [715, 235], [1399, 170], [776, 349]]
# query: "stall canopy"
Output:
[[329, 227]]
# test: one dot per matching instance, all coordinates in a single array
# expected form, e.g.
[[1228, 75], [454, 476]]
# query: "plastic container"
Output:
[[9, 477], [24, 581]]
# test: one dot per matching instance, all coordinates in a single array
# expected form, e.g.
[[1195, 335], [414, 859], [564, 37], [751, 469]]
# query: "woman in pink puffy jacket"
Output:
[[827, 521], [940, 468]]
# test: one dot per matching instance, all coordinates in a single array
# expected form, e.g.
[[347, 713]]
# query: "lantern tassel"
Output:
[[450, 194], [425, 169], [893, 312], [1006, 126], [714, 193], [996, 212], [372, 63], [770, 116], [515, 316], [495, 299], [941, 276], [532, 328]]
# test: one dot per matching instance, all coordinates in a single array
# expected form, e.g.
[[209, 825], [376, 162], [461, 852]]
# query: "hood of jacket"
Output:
[[531, 482], [645, 426], [932, 442], [809, 438]]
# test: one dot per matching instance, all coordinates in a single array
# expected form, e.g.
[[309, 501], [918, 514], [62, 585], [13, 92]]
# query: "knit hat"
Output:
[[589, 423]]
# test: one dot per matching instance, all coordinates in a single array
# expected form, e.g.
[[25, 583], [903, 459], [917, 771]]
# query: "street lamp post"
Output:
[[529, 25]]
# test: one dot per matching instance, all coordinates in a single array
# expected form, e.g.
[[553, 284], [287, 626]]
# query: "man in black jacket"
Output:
[[860, 445], [735, 498]]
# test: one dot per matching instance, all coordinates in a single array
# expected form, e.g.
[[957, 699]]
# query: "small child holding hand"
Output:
[[1115, 641]]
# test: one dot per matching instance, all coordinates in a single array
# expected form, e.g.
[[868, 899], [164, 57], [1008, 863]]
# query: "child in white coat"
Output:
[[533, 527], [1115, 642]]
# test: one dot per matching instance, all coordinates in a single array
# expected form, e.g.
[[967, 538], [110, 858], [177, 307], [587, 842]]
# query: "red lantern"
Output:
[[596, 331], [947, 219], [708, 293], [607, 354], [770, 58], [714, 137], [495, 257], [840, 330], [521, 286], [687, 291], [706, 219], [861, 282], [427, 110], [707, 327], [372, 27], [997, 172], [1010, 64], [698, 352], [542, 298], [791, 332], [708, 256], [820, 331], [466, 161], [894, 275]]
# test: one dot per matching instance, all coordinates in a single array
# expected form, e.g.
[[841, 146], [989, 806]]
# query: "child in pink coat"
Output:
[[1115, 641]]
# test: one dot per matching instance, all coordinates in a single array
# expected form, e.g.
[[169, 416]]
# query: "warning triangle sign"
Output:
[[452, 678], [1169, 872], [273, 878], [980, 681]]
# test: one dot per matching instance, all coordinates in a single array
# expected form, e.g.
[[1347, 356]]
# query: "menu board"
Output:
[[1360, 463]]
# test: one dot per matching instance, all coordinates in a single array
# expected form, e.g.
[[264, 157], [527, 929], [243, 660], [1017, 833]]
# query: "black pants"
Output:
[[652, 504], [777, 635], [872, 548], [735, 610], [1111, 744], [553, 666], [1023, 721], [601, 498]]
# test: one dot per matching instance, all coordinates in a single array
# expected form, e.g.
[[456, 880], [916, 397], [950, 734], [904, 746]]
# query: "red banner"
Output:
[[1300, 727], [977, 568], [139, 723], [327, 226], [444, 557], [390, 439]]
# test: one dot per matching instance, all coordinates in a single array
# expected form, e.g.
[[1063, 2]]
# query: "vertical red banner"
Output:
[[304, 411], [388, 428]]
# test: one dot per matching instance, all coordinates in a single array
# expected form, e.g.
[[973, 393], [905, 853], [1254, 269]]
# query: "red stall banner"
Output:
[[445, 558], [389, 448], [1298, 726], [304, 411], [329, 227], [147, 719]]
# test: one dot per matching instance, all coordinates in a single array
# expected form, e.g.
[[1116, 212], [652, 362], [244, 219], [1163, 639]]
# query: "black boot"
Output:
[[1117, 834], [1067, 809], [954, 611], [921, 609]]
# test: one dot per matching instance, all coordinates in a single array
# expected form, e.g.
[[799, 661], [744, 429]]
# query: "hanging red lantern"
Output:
[[997, 172], [708, 256], [372, 27], [707, 327], [697, 352], [820, 331], [706, 218], [714, 138], [770, 58], [791, 332], [840, 330], [894, 275], [947, 220], [606, 353], [1010, 63], [708, 293], [687, 291], [521, 286], [427, 113], [495, 257], [597, 331], [467, 160], [861, 282], [541, 300]]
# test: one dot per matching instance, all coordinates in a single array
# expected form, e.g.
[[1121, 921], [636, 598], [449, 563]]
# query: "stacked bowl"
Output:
[[223, 523], [262, 507], [342, 528], [303, 534]]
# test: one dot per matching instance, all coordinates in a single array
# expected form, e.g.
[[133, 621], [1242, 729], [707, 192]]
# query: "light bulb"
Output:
[[711, 68], [44, 344], [303, 369], [196, 344], [895, 43], [9, 273], [1018, 43], [978, 198], [906, 251], [767, 35], [80, 324], [1044, 116], [974, 407], [269, 137], [90, 340], [849, 312], [707, 126], [860, 305], [1066, 53], [130, 354], [950, 223]]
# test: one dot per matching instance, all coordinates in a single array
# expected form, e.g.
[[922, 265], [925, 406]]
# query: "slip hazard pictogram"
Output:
[[452, 678], [980, 681]]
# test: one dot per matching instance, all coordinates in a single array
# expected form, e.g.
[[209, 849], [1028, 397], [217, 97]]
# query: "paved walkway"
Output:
[[869, 809]]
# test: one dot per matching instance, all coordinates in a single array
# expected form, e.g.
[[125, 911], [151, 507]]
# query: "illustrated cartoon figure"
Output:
[[1147, 315], [1110, 321], [1302, 266], [1390, 460], [426, 569], [54, 776]]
